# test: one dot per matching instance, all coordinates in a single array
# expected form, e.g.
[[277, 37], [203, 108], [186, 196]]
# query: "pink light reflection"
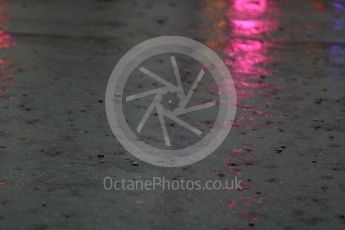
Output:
[[250, 6], [247, 57], [6, 73], [245, 39], [247, 53], [5, 40], [251, 27]]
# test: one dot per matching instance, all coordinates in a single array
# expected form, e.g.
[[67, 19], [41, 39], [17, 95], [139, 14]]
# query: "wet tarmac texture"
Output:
[[287, 59]]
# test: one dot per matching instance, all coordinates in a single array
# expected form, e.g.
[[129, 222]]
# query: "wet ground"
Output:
[[287, 143]]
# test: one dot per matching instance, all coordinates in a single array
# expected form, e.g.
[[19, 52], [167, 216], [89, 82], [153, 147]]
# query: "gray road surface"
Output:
[[287, 144]]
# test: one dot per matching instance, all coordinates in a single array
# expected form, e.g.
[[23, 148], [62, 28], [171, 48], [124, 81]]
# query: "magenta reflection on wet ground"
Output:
[[245, 32], [6, 41], [6, 74], [248, 55], [250, 36]]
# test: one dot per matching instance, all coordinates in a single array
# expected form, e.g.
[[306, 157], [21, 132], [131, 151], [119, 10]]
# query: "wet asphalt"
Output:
[[287, 143]]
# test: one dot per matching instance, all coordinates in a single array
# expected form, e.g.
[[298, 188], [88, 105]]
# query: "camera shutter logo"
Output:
[[171, 101]]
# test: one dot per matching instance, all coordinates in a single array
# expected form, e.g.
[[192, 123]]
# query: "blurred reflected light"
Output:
[[246, 54], [338, 4], [243, 32], [337, 55], [320, 6], [250, 6], [5, 40], [251, 27], [245, 57], [338, 24]]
